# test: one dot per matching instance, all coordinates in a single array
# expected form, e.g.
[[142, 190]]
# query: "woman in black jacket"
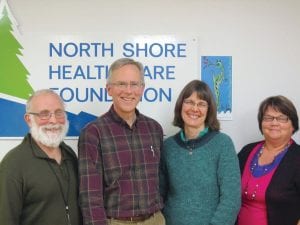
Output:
[[271, 168]]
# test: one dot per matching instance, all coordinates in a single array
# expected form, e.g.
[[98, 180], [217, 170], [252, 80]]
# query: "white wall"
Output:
[[262, 36]]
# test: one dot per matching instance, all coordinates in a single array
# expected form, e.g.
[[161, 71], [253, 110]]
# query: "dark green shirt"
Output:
[[34, 189]]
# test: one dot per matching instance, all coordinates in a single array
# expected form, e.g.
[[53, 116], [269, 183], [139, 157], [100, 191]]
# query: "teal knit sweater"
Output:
[[200, 180]]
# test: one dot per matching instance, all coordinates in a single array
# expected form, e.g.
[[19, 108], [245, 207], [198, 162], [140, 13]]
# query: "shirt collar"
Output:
[[201, 134], [119, 119], [39, 153]]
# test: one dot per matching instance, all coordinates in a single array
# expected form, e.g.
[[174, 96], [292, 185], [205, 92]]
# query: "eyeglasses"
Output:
[[280, 119], [46, 115], [124, 85], [201, 105]]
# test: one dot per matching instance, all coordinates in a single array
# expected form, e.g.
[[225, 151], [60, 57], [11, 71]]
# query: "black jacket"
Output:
[[283, 192]]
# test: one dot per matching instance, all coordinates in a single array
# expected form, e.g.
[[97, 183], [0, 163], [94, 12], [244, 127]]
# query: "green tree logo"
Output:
[[13, 74]]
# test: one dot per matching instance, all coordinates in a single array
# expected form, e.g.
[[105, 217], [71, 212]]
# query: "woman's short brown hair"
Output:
[[204, 93], [280, 104]]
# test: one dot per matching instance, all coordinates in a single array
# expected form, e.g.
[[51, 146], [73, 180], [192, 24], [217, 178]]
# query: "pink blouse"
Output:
[[253, 209]]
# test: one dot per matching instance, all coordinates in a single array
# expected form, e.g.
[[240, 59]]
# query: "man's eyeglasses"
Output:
[[201, 105], [280, 119], [124, 85], [46, 115]]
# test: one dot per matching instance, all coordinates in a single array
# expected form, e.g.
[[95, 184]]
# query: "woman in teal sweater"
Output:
[[199, 174]]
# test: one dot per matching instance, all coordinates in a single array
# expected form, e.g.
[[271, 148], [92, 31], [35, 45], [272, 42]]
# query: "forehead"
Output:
[[46, 102], [195, 95], [272, 110], [127, 72]]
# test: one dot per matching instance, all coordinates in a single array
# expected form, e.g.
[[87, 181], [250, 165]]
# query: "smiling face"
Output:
[[194, 112], [275, 131], [125, 89], [51, 131]]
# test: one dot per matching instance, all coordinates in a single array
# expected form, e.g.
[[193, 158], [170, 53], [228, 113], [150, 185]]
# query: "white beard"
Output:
[[49, 135]]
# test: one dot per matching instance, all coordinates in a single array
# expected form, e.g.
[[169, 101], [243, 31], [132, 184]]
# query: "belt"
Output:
[[133, 218]]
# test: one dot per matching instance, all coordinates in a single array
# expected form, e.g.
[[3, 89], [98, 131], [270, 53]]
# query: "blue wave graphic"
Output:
[[13, 124]]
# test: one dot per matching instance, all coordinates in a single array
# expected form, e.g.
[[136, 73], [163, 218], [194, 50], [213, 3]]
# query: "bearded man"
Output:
[[38, 178]]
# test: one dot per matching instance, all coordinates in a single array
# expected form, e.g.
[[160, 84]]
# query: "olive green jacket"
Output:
[[34, 188]]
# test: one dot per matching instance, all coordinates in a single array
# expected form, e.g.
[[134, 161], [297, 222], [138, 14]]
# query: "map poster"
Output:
[[216, 71]]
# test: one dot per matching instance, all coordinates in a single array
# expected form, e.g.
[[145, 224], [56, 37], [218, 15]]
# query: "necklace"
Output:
[[257, 171], [260, 170], [253, 194], [65, 197], [186, 141]]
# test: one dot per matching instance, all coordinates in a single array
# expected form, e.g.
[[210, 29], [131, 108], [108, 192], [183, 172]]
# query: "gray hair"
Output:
[[123, 62], [41, 92]]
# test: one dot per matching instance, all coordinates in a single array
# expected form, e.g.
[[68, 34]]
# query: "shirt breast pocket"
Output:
[[151, 154]]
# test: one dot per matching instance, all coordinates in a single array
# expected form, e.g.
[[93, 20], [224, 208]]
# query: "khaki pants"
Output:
[[156, 219]]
